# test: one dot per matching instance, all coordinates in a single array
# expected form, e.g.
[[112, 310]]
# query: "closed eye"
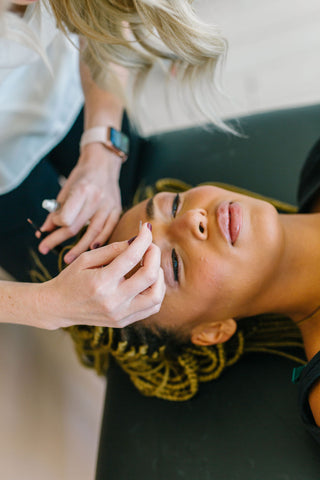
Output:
[[175, 265], [174, 256], [175, 205]]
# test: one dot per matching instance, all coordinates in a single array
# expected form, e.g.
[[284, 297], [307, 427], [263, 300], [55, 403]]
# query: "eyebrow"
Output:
[[150, 209]]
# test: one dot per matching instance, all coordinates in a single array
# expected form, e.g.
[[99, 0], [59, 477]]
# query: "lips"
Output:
[[229, 217]]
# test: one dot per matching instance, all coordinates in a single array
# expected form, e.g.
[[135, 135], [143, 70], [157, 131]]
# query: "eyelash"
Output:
[[175, 265], [175, 205], [174, 256]]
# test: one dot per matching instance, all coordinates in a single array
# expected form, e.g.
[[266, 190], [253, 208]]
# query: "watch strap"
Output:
[[101, 134]]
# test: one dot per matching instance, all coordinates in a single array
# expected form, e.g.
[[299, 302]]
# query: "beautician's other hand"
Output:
[[90, 194], [94, 290]]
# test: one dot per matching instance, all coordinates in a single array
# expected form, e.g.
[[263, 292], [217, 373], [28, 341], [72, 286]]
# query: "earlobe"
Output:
[[216, 332]]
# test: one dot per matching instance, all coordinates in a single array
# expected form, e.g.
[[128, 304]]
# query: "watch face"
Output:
[[119, 140]]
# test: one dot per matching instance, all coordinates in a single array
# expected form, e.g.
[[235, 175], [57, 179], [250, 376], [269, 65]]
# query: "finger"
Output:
[[105, 232], [55, 238], [88, 210], [48, 224], [103, 256], [135, 317], [60, 235], [146, 275], [93, 230], [147, 303], [70, 209], [134, 253], [143, 306]]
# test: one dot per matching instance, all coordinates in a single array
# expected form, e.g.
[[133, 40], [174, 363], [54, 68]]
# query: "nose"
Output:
[[194, 221]]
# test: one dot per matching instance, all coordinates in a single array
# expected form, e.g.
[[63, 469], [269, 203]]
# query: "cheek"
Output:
[[214, 286], [178, 310], [204, 292], [201, 287], [218, 283], [205, 276]]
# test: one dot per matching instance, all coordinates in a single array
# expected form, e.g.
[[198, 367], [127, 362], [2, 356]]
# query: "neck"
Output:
[[295, 291], [18, 9], [300, 265]]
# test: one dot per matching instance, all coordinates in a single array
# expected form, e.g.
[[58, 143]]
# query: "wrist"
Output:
[[44, 307], [112, 139], [50, 306], [96, 155]]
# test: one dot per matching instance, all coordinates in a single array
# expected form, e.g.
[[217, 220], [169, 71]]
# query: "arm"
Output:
[[93, 290], [92, 190], [19, 303]]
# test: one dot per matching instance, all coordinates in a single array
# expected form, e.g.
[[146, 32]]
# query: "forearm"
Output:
[[24, 304], [101, 107], [91, 193]]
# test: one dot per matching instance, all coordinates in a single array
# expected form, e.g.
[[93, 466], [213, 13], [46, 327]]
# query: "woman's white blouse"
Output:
[[40, 91]]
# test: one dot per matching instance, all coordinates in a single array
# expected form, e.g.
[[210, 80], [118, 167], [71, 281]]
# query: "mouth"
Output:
[[229, 217]]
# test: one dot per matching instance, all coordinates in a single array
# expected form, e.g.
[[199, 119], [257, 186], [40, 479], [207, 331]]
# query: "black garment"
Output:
[[306, 377], [17, 237], [309, 182], [309, 187]]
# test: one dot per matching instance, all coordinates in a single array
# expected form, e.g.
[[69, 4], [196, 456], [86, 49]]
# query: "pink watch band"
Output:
[[94, 134], [101, 134]]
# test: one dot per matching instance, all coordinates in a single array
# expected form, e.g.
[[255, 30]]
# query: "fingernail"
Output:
[[69, 258], [131, 239], [149, 226], [96, 245]]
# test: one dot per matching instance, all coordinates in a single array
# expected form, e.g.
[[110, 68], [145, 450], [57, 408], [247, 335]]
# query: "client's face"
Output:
[[219, 250]]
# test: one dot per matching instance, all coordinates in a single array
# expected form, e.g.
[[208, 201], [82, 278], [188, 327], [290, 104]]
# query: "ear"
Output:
[[214, 332]]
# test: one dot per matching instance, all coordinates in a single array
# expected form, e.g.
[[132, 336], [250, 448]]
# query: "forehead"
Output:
[[128, 225]]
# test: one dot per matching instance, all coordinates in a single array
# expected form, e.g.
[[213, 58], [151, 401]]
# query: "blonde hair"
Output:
[[137, 33]]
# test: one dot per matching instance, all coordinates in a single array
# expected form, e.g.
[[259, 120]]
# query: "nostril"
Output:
[[201, 228]]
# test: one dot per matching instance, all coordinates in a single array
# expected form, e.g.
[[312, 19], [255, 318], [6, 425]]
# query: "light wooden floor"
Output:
[[50, 407]]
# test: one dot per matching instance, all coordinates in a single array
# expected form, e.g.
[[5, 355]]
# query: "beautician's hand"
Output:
[[94, 290], [90, 194]]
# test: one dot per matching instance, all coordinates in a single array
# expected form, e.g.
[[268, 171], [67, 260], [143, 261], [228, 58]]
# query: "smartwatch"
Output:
[[111, 138]]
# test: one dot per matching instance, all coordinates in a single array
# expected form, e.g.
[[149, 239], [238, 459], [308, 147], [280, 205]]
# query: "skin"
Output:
[[19, 6], [228, 281], [93, 290], [23, 2], [95, 287], [91, 194], [212, 269], [271, 268]]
